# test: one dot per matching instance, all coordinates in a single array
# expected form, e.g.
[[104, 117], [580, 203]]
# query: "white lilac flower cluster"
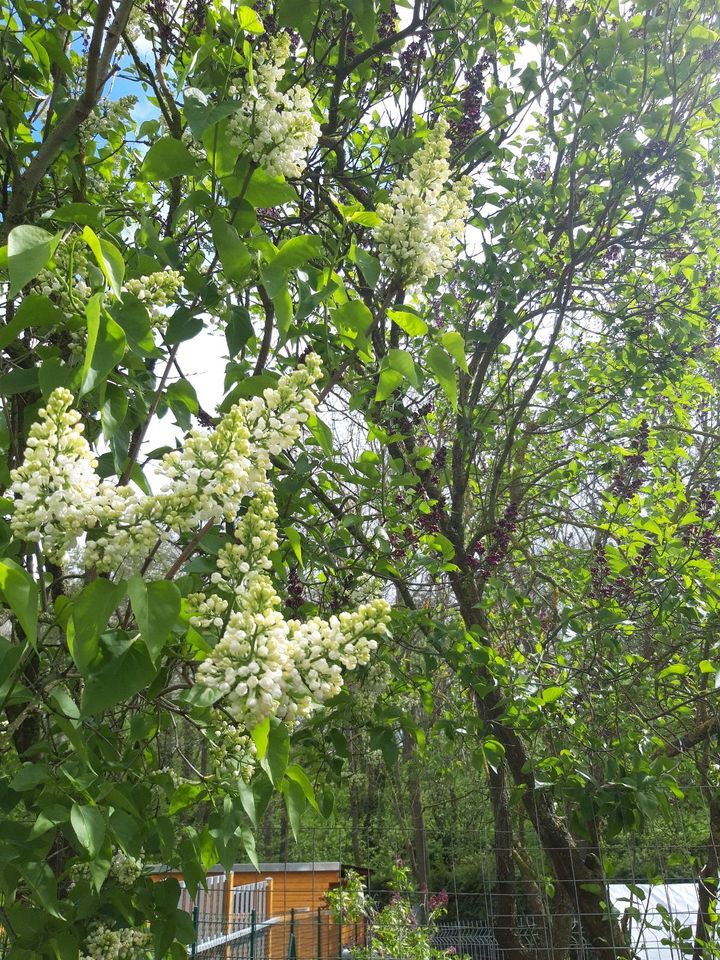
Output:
[[58, 496], [232, 752], [157, 291], [107, 115], [67, 284], [264, 664], [124, 869], [426, 214], [276, 127], [105, 943], [56, 489]]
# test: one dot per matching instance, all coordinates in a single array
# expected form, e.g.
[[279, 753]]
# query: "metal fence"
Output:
[[298, 935]]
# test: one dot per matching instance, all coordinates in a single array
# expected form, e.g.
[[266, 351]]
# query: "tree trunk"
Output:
[[354, 799], [417, 813], [504, 897], [708, 885], [582, 885]]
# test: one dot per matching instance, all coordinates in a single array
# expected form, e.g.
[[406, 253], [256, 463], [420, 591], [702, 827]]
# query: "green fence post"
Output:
[[252, 935], [196, 924], [292, 945], [319, 933]]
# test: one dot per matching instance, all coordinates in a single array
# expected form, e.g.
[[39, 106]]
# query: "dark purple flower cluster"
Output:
[[402, 542], [612, 254], [622, 588], [414, 54], [488, 558], [387, 21], [471, 104], [425, 410], [295, 591], [430, 522], [438, 900], [196, 15], [600, 573], [440, 458], [702, 535], [706, 502], [157, 9], [628, 478]]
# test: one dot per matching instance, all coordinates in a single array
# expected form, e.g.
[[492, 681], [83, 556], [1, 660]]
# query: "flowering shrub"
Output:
[[275, 126], [348, 902], [105, 943], [244, 662], [426, 214], [395, 931], [58, 494]]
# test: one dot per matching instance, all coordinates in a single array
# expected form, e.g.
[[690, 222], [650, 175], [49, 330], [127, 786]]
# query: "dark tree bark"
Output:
[[504, 897]]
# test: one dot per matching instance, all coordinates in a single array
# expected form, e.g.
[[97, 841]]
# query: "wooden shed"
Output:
[[285, 903]]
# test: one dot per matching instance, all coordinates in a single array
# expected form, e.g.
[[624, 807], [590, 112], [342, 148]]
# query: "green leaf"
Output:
[[295, 802], [234, 255], [238, 329], [675, 669], [363, 12], [119, 679], [292, 254], [184, 325], [29, 776], [182, 400], [248, 840], [261, 737], [21, 594], [186, 795], [80, 213], [402, 361], [384, 739], [247, 799], [91, 610], [56, 373], [109, 259], [29, 249], [105, 345], [296, 773], [249, 20], [275, 761], [266, 191], [368, 264], [33, 311], [411, 323], [18, 380], [295, 542], [156, 607], [300, 15], [42, 883], [389, 381], [455, 346], [440, 364], [168, 158], [89, 826], [551, 694], [355, 315], [131, 315]]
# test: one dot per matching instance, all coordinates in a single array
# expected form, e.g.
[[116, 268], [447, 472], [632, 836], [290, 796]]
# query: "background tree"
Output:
[[516, 436]]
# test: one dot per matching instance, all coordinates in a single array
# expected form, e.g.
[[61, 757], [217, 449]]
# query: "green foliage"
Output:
[[522, 452]]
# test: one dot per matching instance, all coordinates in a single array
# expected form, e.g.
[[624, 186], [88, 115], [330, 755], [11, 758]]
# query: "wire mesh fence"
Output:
[[298, 935]]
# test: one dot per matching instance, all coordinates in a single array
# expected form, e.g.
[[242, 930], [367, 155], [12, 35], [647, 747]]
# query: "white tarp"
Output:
[[648, 921]]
